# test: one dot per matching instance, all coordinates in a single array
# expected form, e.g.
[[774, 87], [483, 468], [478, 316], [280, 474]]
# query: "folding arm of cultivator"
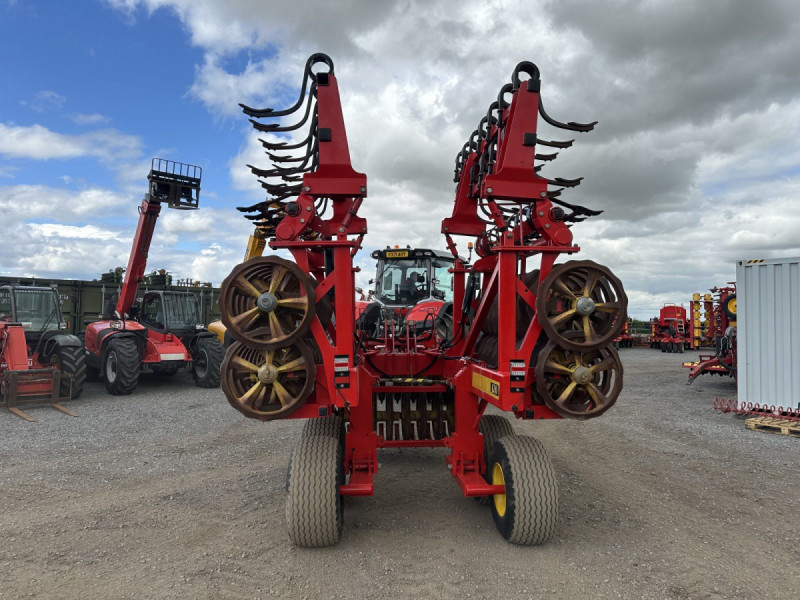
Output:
[[532, 339]]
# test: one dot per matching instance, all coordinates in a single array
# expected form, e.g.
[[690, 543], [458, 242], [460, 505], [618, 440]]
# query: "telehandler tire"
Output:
[[121, 366]]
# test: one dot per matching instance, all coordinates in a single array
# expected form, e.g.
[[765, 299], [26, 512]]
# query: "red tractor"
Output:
[[669, 331], [165, 332], [414, 286], [443, 340], [38, 359]]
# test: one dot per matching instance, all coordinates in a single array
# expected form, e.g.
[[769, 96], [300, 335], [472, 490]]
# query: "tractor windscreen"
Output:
[[37, 310], [183, 311], [442, 280], [404, 281]]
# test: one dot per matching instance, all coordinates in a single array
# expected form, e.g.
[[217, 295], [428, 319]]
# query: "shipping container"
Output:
[[83, 301], [768, 331]]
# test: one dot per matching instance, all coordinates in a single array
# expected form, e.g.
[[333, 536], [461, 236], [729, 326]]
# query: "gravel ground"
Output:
[[170, 493]]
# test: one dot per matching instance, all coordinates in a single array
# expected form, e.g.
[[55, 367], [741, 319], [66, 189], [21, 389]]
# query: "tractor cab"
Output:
[[406, 277], [413, 287], [171, 312], [37, 309], [38, 359]]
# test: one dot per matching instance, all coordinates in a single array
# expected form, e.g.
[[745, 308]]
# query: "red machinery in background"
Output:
[[669, 332], [524, 334], [625, 337], [39, 360], [165, 333], [718, 330]]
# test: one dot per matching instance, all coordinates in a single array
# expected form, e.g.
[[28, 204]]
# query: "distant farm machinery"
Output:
[[669, 331], [717, 330], [414, 368]]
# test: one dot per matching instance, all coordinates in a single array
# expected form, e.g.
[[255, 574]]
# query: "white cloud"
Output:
[[84, 232], [8, 171], [89, 118], [45, 101], [40, 143]]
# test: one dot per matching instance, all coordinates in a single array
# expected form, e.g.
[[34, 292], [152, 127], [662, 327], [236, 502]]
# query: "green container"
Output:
[[82, 301]]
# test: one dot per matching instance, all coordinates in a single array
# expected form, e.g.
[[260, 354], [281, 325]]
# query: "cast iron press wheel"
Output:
[[70, 360], [314, 512], [207, 359], [527, 513], [268, 384], [583, 297], [578, 384], [493, 428], [267, 302], [121, 366]]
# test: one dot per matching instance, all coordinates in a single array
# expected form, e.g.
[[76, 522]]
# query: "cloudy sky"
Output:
[[695, 161]]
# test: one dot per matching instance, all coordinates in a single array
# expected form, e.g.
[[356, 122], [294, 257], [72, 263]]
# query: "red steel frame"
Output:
[[503, 266]]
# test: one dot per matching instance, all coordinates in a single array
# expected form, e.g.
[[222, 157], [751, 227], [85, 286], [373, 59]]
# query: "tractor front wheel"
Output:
[[528, 511], [314, 513], [121, 366], [206, 362], [70, 360]]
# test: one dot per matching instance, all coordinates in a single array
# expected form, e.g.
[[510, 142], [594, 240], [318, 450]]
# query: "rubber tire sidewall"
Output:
[[214, 352], [528, 475], [128, 359]]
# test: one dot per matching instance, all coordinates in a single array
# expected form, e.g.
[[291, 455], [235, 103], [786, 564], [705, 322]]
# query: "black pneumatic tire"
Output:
[[121, 366], [207, 360], [493, 428], [314, 512], [332, 426], [71, 360], [531, 498]]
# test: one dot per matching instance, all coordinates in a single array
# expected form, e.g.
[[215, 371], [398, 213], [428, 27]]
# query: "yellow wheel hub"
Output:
[[499, 499], [732, 306]]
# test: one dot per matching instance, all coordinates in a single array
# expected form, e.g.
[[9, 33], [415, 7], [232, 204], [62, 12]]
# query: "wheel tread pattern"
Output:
[[128, 366], [215, 352], [72, 360], [313, 505], [534, 504]]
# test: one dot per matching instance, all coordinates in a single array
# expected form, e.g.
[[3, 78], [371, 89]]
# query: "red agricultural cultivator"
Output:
[[522, 334], [669, 330], [718, 330]]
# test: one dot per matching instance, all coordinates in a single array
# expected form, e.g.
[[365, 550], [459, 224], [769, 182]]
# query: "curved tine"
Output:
[[279, 189], [473, 140], [292, 178], [552, 156], [494, 106], [284, 159], [565, 182], [572, 126], [275, 127], [525, 66], [555, 144], [537, 168], [555, 193], [295, 146], [578, 209], [501, 97], [483, 128], [307, 75], [259, 206]]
